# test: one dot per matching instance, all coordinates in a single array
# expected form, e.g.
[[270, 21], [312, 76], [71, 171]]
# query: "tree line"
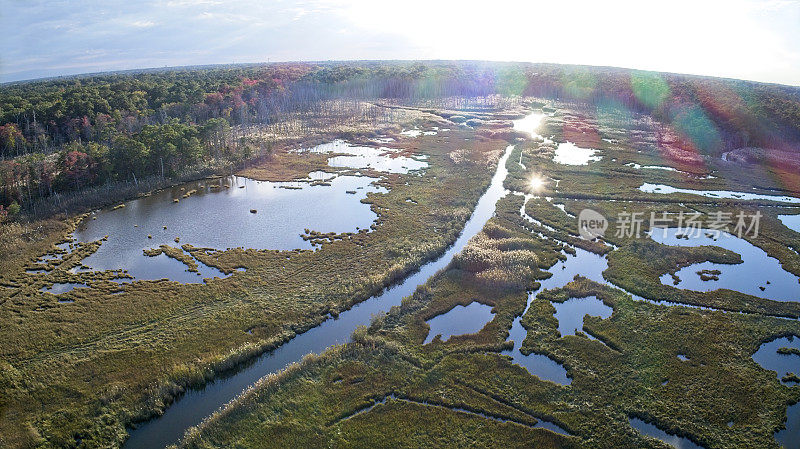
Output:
[[66, 134]]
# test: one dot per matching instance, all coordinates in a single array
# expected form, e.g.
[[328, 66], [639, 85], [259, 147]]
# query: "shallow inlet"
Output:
[[195, 405], [791, 221], [653, 431], [570, 314], [586, 264], [790, 436], [782, 363], [759, 275], [459, 320], [381, 159], [724, 194]]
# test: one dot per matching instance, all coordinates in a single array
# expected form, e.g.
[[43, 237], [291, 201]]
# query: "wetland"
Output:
[[414, 273]]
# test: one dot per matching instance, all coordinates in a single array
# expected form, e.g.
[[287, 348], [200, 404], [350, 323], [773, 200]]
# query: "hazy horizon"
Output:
[[742, 39]]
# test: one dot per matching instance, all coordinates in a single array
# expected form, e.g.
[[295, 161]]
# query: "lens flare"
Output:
[[536, 183]]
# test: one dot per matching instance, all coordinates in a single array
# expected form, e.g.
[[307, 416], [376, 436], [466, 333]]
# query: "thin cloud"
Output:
[[735, 38]]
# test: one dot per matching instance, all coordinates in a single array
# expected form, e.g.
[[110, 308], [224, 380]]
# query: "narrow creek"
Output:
[[196, 404]]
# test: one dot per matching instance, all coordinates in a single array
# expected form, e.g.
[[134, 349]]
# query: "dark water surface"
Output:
[[769, 358], [586, 264], [459, 320], [220, 217], [570, 314], [275, 226], [653, 431], [192, 407], [749, 277]]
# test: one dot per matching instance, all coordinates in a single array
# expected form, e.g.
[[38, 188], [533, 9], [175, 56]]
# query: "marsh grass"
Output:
[[174, 253], [111, 360], [632, 371]]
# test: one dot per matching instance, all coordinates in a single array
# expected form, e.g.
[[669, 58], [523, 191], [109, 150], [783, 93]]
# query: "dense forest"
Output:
[[66, 134]]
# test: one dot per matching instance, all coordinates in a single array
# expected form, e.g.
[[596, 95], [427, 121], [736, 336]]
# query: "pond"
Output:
[[781, 355], [586, 264], [567, 153], [759, 275], [246, 213], [790, 435], [197, 404], [791, 221], [722, 194], [459, 320], [380, 159], [570, 314], [63, 287], [530, 124]]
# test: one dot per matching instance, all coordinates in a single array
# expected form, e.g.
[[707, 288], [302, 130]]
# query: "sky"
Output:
[[746, 39]]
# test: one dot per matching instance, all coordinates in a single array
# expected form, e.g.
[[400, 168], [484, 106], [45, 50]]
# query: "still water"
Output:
[[725, 194], [567, 153], [570, 314], [758, 275], [791, 221], [584, 263], [459, 320], [195, 405], [223, 213], [653, 431], [381, 159], [769, 358]]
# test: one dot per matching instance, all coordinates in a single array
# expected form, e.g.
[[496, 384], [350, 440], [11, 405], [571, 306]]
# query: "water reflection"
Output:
[[791, 221], [416, 132], [567, 153], [570, 314], [217, 214], [195, 405], [653, 431], [789, 437], [459, 320], [381, 159], [781, 355], [725, 194], [530, 124], [649, 167], [584, 263], [59, 288], [758, 275]]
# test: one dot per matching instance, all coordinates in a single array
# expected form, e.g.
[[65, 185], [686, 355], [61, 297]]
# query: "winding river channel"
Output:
[[196, 404], [191, 408]]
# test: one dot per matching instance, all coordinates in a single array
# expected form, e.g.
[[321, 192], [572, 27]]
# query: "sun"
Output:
[[536, 183]]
